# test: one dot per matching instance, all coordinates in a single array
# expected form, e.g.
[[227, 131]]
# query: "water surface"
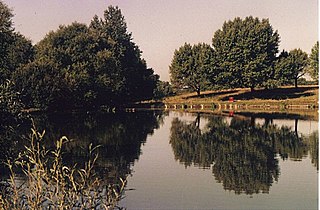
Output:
[[175, 160], [253, 166]]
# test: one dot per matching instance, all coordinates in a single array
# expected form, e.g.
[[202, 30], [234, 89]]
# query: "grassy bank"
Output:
[[308, 95]]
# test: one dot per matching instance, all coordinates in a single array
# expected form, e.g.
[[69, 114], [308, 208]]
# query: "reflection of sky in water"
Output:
[[305, 127]]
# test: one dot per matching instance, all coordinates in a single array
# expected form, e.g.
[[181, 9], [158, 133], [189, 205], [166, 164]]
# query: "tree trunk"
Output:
[[253, 121], [296, 82], [267, 122], [296, 127], [198, 92], [197, 121], [252, 89]]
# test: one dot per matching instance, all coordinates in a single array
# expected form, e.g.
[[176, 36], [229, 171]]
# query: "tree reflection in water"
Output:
[[120, 136], [243, 155]]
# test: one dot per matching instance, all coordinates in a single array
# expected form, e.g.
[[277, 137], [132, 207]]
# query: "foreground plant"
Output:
[[50, 184]]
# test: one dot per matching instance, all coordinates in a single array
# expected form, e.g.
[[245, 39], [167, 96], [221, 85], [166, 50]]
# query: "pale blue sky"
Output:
[[161, 26]]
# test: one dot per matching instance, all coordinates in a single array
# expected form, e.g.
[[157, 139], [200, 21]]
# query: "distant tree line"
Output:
[[77, 66], [244, 54]]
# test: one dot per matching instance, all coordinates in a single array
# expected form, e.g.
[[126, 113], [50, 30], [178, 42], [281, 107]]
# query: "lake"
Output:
[[177, 160]]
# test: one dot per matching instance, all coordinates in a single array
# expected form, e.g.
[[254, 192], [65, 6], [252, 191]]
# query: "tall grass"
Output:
[[49, 184]]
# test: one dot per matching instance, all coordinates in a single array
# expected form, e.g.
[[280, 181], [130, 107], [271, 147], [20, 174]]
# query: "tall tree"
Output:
[[98, 64], [140, 81], [245, 50], [192, 66], [6, 30], [282, 70], [15, 49], [314, 62], [292, 66], [298, 61]]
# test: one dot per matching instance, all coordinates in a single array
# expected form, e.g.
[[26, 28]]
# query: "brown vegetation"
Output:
[[289, 95]]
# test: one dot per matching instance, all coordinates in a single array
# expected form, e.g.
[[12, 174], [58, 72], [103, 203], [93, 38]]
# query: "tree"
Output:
[[281, 70], [164, 89], [6, 29], [298, 62], [97, 65], [15, 49], [292, 66], [140, 81], [245, 52], [20, 51], [192, 66], [42, 85], [314, 62]]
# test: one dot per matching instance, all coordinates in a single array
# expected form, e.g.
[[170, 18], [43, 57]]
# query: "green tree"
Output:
[[140, 81], [15, 49], [163, 89], [192, 66], [292, 66], [42, 85], [314, 62], [6, 30], [98, 64], [20, 52], [281, 70], [246, 50]]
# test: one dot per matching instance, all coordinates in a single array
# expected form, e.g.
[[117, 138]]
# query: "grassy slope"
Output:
[[290, 95]]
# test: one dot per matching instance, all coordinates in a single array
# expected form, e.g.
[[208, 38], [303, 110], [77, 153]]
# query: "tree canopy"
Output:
[[291, 66], [314, 62], [191, 66], [15, 49], [80, 66], [245, 52]]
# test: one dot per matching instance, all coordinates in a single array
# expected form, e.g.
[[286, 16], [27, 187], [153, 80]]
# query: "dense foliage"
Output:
[[244, 54], [191, 67], [76, 66], [314, 62], [163, 89], [81, 66], [15, 49], [245, 51], [10, 104], [291, 66]]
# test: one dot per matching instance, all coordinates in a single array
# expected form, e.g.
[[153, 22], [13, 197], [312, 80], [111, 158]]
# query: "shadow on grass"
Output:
[[210, 95], [276, 94]]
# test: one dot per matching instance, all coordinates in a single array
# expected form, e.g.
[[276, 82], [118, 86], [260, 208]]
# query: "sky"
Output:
[[159, 27]]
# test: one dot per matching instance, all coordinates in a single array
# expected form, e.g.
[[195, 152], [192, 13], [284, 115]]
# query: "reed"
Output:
[[49, 184]]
